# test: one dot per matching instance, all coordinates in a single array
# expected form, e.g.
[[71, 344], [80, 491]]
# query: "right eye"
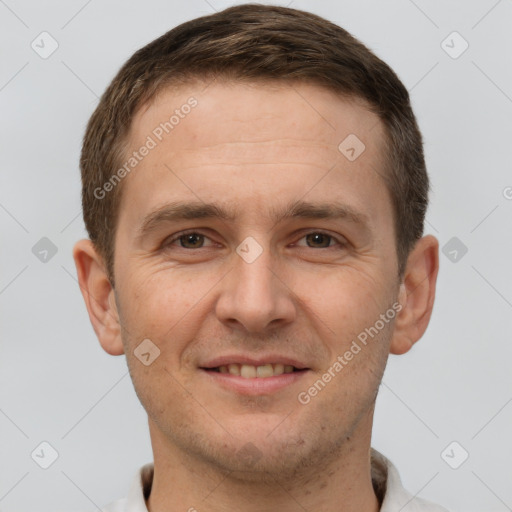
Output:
[[189, 237]]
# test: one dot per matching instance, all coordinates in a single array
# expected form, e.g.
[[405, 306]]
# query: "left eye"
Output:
[[195, 240], [319, 237]]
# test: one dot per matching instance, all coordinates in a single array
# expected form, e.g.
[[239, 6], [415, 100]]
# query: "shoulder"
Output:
[[139, 490], [421, 505], [395, 497], [116, 506]]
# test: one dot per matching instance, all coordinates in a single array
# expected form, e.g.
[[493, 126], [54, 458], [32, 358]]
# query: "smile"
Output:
[[249, 371], [248, 376]]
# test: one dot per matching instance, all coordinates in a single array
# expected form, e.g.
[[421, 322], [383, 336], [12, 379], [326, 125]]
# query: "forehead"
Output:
[[256, 112], [240, 138]]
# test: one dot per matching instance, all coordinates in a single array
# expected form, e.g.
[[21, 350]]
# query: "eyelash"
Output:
[[167, 243]]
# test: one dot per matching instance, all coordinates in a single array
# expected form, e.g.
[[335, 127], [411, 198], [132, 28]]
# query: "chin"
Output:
[[267, 454], [272, 464]]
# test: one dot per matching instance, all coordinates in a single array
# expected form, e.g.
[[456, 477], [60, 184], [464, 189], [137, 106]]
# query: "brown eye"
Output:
[[322, 240], [191, 240], [186, 240], [319, 239]]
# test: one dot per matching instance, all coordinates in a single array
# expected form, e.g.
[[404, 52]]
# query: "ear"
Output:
[[99, 296], [417, 293]]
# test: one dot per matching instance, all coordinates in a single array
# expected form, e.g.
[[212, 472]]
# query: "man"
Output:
[[254, 188]]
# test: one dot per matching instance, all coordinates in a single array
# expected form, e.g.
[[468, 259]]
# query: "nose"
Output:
[[255, 296]]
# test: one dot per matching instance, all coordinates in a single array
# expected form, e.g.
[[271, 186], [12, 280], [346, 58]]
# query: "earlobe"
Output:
[[99, 296], [416, 295]]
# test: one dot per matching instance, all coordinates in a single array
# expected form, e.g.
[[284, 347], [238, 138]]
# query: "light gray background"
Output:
[[56, 383]]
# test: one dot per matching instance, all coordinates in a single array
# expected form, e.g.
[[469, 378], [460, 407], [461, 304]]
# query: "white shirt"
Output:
[[385, 477]]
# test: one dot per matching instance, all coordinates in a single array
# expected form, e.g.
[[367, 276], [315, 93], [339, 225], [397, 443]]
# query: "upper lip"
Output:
[[254, 361]]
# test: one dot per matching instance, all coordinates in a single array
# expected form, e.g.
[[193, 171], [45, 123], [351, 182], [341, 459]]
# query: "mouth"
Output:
[[249, 371], [250, 377]]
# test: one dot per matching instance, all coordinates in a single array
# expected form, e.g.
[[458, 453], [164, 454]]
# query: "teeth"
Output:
[[264, 371], [234, 369], [278, 369], [248, 371]]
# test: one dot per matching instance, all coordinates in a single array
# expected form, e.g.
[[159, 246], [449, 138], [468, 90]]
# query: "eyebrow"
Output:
[[176, 211]]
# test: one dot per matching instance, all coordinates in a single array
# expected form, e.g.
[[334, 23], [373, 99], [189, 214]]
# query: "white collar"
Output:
[[385, 478]]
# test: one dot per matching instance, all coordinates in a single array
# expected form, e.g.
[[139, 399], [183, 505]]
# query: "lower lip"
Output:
[[257, 385]]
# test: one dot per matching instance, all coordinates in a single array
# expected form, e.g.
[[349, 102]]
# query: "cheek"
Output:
[[346, 306], [346, 298], [160, 305]]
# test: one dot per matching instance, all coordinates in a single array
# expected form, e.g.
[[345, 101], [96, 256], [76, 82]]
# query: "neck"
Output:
[[182, 482]]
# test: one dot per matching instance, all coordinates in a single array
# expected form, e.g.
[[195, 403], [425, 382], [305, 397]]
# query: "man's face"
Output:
[[261, 288]]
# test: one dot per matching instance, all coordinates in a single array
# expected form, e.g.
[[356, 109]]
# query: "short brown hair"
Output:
[[255, 42]]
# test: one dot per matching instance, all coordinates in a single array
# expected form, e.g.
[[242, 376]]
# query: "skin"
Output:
[[256, 148]]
